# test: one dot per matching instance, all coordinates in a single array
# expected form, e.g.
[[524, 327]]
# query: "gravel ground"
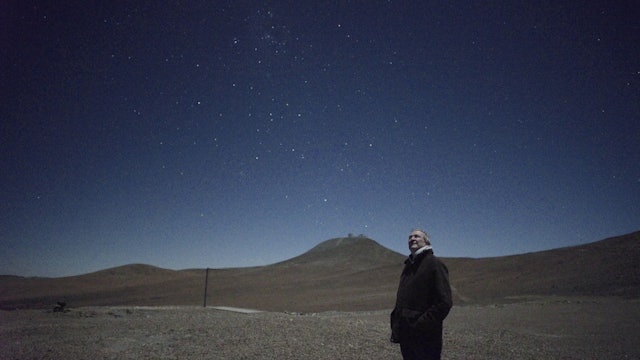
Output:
[[542, 328]]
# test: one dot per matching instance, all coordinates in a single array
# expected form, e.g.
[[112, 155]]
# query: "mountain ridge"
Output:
[[353, 273], [343, 251]]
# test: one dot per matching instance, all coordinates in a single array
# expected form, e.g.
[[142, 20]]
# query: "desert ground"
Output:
[[332, 302], [533, 328]]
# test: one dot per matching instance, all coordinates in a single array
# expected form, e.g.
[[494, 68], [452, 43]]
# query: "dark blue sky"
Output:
[[237, 133]]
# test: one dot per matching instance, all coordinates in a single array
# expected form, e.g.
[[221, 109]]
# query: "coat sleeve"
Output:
[[439, 308], [395, 326]]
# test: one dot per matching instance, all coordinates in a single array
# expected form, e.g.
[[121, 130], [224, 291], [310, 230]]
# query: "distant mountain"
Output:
[[348, 274], [359, 252], [603, 268]]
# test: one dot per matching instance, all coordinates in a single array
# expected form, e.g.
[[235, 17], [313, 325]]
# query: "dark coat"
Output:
[[423, 301]]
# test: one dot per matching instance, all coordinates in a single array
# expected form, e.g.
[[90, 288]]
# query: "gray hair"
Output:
[[426, 237]]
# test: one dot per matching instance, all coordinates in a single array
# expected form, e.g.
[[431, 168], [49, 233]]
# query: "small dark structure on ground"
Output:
[[61, 307]]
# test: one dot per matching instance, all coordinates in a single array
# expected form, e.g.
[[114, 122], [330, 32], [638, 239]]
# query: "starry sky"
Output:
[[193, 134]]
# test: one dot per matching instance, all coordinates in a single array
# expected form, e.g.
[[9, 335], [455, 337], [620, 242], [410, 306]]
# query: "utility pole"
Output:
[[206, 282]]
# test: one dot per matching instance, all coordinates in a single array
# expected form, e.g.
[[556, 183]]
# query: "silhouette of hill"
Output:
[[603, 268], [348, 274], [358, 252]]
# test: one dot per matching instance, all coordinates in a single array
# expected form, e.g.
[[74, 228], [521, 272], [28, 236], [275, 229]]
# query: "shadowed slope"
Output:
[[342, 274], [606, 267], [353, 252], [129, 284], [345, 274]]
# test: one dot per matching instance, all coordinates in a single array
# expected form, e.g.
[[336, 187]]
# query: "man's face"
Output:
[[416, 241]]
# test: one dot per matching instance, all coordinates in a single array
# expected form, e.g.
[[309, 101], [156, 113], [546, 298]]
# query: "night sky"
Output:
[[193, 134]]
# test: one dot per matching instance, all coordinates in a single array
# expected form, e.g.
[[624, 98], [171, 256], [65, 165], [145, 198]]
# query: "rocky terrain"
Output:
[[536, 328], [332, 302]]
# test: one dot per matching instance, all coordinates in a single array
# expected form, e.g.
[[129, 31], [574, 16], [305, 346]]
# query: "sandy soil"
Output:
[[540, 328]]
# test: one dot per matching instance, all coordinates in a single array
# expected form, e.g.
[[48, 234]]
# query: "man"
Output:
[[423, 301]]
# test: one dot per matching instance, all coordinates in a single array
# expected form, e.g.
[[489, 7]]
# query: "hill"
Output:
[[603, 268], [345, 274]]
